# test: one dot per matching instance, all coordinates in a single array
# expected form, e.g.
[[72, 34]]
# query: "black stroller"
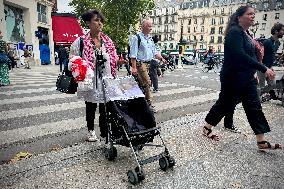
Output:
[[277, 89], [131, 123]]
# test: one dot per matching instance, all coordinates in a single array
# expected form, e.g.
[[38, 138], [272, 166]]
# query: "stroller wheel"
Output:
[[164, 163], [172, 161], [132, 177], [140, 174], [111, 153]]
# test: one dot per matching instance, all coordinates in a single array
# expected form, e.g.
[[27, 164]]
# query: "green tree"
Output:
[[119, 14]]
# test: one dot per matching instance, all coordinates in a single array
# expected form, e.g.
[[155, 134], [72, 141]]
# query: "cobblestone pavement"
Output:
[[36, 118]]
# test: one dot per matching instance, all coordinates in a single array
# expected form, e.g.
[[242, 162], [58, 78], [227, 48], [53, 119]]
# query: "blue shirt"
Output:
[[147, 49]]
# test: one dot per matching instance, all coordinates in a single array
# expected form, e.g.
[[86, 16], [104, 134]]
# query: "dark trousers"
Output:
[[228, 99], [61, 62], [153, 73], [90, 117]]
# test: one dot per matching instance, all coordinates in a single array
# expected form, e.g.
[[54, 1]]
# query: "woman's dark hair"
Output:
[[155, 38], [88, 15], [234, 18], [276, 28]]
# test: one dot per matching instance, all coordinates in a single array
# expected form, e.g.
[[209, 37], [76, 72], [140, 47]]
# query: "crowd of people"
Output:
[[243, 58], [9, 59]]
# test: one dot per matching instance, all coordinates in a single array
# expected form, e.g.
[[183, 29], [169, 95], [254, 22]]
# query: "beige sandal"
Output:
[[269, 146]]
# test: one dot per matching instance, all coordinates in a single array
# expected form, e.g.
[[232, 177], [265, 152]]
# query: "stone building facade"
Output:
[[20, 20], [203, 22]]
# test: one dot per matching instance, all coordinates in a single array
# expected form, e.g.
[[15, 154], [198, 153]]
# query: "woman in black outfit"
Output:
[[237, 79]]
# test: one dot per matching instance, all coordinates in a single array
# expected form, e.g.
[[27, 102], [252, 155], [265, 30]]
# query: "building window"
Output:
[[277, 15], [219, 48], [221, 30], [201, 38], [194, 29], [263, 26], [221, 20], [213, 22], [219, 39], [253, 5], [212, 39], [195, 20], [214, 12], [194, 38], [264, 17], [189, 22], [188, 29], [212, 30], [222, 11], [265, 6], [278, 4], [42, 12], [202, 21], [202, 28], [230, 11], [15, 31]]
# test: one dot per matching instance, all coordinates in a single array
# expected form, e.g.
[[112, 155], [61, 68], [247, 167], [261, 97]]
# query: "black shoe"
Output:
[[273, 96], [152, 108], [155, 90], [232, 129]]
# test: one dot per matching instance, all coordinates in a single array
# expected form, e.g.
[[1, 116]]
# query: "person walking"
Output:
[[5, 62], [95, 41], [63, 57], [237, 79], [271, 46], [154, 63], [209, 56], [27, 55], [195, 58], [141, 57]]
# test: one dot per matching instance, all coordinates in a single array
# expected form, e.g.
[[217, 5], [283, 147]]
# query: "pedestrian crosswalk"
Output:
[[32, 95]]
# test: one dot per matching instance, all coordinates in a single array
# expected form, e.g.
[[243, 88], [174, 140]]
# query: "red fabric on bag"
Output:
[[80, 68]]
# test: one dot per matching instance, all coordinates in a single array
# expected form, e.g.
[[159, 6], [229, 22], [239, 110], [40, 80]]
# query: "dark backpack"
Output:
[[261, 40]]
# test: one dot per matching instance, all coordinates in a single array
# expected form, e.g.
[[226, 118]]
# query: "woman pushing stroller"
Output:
[[87, 46]]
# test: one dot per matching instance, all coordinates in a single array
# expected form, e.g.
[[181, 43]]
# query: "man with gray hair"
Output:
[[141, 56]]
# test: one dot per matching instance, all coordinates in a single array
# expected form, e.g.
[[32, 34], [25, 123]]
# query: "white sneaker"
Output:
[[92, 137]]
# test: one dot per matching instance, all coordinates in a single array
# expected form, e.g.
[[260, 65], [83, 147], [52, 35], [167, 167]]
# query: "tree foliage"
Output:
[[119, 14]]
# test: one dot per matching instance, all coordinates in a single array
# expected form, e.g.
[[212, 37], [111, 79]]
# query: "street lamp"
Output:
[[194, 44], [165, 47], [254, 28], [182, 43]]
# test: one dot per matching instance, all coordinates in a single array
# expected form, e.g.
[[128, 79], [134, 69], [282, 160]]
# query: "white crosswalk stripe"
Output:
[[27, 91], [35, 98], [50, 83], [34, 85]]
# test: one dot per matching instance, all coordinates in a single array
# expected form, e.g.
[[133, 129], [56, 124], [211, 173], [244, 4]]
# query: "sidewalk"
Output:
[[234, 162]]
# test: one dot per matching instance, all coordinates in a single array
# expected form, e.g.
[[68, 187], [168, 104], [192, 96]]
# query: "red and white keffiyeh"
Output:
[[88, 51]]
